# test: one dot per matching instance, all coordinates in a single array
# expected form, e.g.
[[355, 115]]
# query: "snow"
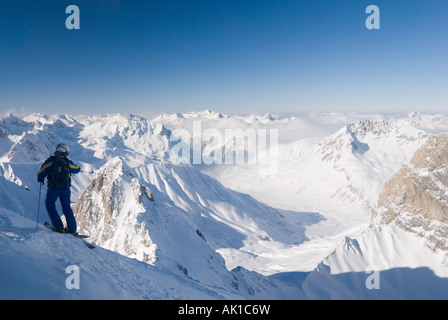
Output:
[[407, 268], [218, 231], [33, 264], [338, 176]]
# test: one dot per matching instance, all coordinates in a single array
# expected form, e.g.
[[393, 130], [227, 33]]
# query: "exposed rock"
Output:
[[416, 197], [109, 211]]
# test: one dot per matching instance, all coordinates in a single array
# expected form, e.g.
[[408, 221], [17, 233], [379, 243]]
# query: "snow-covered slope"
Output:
[[36, 264], [116, 210], [146, 212], [383, 263]]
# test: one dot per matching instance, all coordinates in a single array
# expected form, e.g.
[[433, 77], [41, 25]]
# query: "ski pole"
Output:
[[38, 207]]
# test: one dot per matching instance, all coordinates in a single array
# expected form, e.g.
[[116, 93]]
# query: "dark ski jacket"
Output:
[[45, 169]]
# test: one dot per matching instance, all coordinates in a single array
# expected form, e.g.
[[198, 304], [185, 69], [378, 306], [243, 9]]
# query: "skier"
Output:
[[58, 169]]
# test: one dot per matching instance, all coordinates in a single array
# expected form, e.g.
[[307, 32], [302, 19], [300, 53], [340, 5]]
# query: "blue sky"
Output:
[[230, 56]]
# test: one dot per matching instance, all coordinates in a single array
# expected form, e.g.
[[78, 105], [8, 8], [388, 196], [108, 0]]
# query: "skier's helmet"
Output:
[[62, 148]]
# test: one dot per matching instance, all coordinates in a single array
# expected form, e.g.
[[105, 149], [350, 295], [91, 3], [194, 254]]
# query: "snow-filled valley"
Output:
[[166, 228]]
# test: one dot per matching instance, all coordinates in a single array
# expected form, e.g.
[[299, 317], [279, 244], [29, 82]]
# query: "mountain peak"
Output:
[[206, 114], [13, 125], [109, 211]]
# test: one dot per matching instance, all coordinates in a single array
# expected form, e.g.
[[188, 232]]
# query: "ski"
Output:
[[76, 235]]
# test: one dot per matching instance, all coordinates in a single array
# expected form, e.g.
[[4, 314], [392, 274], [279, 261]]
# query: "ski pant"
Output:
[[50, 202]]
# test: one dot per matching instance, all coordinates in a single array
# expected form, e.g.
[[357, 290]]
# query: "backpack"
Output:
[[59, 174]]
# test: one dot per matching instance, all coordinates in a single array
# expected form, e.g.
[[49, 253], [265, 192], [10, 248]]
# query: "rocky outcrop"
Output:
[[416, 198], [110, 210]]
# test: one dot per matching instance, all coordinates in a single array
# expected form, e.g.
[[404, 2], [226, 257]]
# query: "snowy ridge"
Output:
[[132, 137]]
